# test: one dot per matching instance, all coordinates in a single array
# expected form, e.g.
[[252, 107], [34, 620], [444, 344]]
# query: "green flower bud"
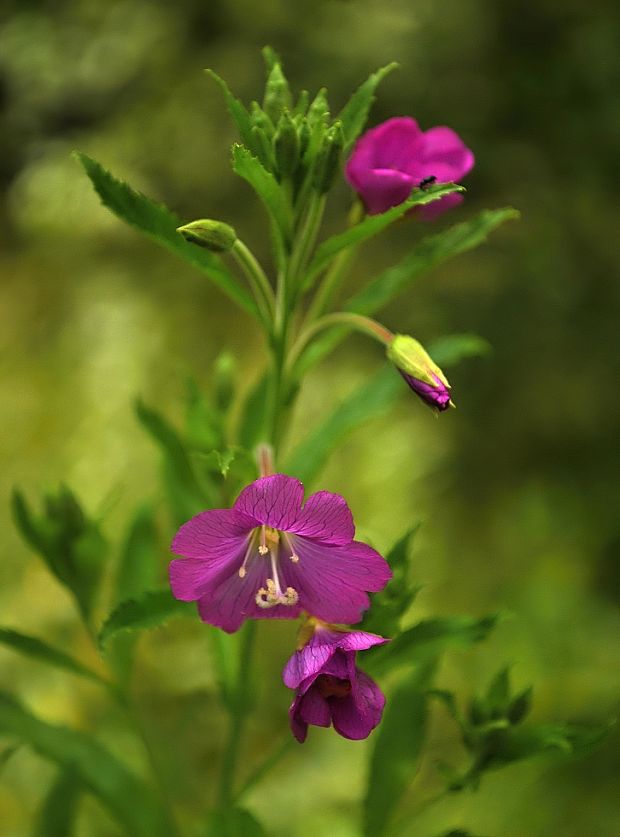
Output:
[[420, 371], [277, 91], [328, 159], [212, 235], [286, 146]]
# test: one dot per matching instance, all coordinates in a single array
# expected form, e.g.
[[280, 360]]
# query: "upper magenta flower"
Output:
[[271, 556], [389, 161], [330, 688]]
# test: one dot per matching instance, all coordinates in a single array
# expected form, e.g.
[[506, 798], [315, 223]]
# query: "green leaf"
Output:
[[239, 114], [427, 639], [355, 113], [57, 815], [140, 560], [450, 350], [391, 604], [44, 653], [132, 803], [266, 187], [186, 496], [71, 544], [371, 226], [399, 743], [254, 414], [7, 754], [429, 252], [148, 610], [234, 822], [277, 91], [158, 223], [497, 697], [520, 706], [371, 400]]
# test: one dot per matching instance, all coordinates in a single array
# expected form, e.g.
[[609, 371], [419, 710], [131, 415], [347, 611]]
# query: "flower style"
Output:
[[420, 371], [390, 160], [269, 556], [330, 688]]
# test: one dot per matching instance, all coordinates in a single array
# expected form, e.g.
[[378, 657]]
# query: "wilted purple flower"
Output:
[[269, 556], [420, 371], [330, 688], [390, 160]]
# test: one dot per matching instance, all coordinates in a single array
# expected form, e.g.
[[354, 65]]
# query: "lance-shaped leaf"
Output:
[[148, 610], [372, 225], [185, 495], [44, 653], [69, 542], [134, 805], [56, 817], [355, 113], [453, 348], [158, 223], [399, 743], [266, 187], [391, 604], [237, 110], [428, 253], [371, 400], [427, 639]]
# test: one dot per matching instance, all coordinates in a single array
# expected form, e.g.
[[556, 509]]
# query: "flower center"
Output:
[[269, 541], [330, 686]]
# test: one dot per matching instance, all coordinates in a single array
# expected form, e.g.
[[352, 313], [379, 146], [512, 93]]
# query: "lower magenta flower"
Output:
[[330, 687], [271, 556], [395, 157]]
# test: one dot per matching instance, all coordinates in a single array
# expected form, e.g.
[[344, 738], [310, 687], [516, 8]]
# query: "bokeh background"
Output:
[[517, 489]]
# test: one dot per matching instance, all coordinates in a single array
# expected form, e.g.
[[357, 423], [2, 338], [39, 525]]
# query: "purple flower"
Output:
[[420, 371], [330, 688], [389, 161], [269, 556]]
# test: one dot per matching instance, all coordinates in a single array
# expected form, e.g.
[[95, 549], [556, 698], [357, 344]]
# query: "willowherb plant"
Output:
[[248, 547]]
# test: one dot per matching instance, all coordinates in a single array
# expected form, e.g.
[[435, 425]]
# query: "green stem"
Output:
[[238, 712], [305, 242], [336, 272], [255, 275], [355, 321]]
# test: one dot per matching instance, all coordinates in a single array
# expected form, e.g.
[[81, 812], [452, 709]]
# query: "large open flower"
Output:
[[271, 556], [390, 160], [330, 687]]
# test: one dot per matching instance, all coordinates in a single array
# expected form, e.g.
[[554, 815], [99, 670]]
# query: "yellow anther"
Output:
[[241, 572], [263, 549], [294, 558]]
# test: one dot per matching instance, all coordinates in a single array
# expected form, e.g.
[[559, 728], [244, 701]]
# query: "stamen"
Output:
[[293, 556], [272, 595], [242, 570], [263, 546]]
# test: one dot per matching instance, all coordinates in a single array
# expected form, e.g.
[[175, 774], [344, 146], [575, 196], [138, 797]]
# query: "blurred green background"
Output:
[[518, 488]]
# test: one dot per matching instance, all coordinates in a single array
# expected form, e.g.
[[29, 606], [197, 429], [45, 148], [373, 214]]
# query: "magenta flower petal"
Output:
[[325, 517], [216, 531], [391, 159], [309, 660], [273, 501], [446, 153], [357, 715], [330, 688], [333, 581], [385, 188]]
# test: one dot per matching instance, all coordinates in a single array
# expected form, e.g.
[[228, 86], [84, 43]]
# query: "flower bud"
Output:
[[212, 235], [328, 158], [418, 369], [286, 146]]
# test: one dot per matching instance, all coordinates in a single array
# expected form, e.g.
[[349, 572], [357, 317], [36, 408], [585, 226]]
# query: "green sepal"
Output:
[[410, 356], [215, 236]]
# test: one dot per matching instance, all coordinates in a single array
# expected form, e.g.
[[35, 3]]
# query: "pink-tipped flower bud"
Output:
[[420, 371]]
